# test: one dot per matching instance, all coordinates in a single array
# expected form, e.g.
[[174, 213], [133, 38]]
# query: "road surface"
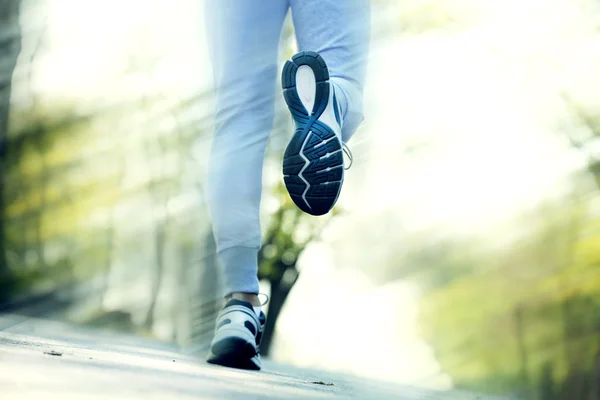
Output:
[[41, 359]]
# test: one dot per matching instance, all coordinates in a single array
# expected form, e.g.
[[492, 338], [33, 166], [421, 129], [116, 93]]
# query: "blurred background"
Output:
[[465, 249]]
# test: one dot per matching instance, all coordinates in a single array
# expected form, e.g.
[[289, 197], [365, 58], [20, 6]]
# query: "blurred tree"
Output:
[[526, 317], [289, 232], [10, 47], [584, 135]]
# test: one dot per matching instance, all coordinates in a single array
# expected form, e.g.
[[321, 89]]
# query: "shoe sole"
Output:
[[233, 352], [313, 163]]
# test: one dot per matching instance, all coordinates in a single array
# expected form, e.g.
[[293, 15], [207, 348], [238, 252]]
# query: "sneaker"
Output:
[[313, 164], [237, 336]]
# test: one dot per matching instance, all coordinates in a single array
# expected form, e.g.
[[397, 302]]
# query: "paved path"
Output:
[[42, 359]]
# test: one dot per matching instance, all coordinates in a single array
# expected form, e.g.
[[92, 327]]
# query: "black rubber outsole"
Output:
[[313, 163], [233, 353]]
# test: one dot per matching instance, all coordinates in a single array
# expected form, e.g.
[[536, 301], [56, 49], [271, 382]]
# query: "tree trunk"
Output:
[[159, 245], [280, 289], [10, 47], [519, 319], [546, 385]]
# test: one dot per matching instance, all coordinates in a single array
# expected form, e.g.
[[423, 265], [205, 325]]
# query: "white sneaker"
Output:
[[237, 336], [313, 164]]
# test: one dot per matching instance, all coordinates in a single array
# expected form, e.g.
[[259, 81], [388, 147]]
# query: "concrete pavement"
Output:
[[48, 359]]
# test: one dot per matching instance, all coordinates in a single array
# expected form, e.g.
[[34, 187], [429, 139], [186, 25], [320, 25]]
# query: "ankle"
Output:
[[249, 297]]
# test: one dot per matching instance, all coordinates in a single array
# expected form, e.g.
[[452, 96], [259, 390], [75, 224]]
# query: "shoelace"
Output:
[[349, 155]]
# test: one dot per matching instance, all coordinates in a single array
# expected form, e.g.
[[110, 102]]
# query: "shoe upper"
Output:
[[238, 332], [240, 315]]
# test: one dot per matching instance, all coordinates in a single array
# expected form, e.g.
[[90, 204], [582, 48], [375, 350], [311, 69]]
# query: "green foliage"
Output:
[[66, 174], [501, 319]]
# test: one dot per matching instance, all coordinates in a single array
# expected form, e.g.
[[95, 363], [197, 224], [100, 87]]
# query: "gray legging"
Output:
[[244, 40]]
